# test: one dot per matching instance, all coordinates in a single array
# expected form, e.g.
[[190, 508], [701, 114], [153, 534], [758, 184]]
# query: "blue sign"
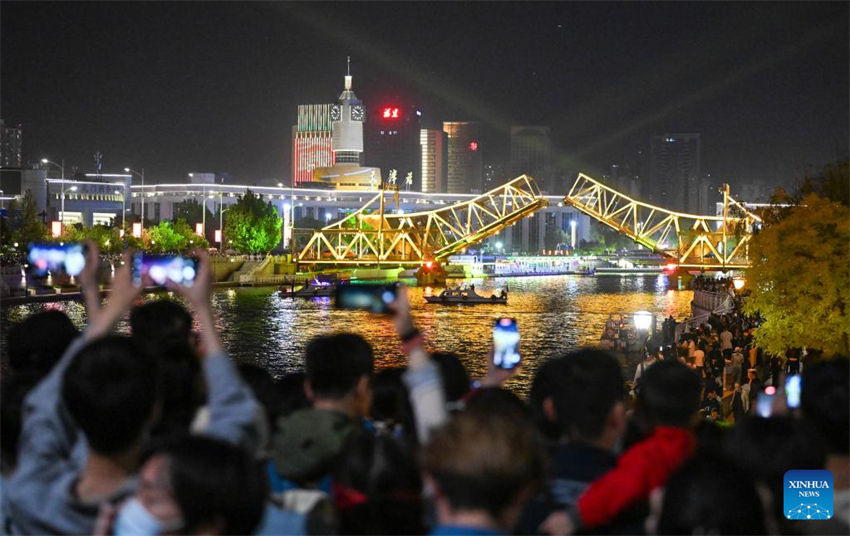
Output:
[[3, 213], [807, 495]]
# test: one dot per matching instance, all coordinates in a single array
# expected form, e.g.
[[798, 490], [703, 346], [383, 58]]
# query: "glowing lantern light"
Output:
[[218, 235], [137, 230], [738, 283], [429, 265], [56, 228], [199, 229]]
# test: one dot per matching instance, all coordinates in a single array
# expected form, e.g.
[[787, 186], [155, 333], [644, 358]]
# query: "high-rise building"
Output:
[[347, 119], [675, 175], [10, 146], [312, 142], [434, 147], [531, 154], [464, 154], [393, 139]]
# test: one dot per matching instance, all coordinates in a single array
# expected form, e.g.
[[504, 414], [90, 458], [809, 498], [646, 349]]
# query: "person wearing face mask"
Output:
[[196, 485], [588, 407], [86, 424]]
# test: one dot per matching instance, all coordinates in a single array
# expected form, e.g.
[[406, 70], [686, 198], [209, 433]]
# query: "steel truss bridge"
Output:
[[688, 240], [371, 236]]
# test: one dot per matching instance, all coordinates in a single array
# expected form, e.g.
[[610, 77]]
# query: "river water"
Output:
[[554, 314]]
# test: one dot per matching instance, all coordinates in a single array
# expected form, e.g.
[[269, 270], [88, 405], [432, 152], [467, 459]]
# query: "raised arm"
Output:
[[234, 412], [423, 376]]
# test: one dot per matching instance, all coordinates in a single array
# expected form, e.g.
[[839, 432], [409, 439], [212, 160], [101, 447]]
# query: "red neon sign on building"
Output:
[[390, 112], [473, 146]]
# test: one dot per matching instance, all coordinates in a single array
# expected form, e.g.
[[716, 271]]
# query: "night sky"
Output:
[[180, 87]]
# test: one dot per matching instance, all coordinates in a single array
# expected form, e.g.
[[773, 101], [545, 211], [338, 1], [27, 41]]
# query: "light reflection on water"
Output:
[[555, 314]]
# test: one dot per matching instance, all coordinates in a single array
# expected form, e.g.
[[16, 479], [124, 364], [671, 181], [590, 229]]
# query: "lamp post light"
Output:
[[573, 234], [123, 206], [62, 212], [142, 175], [61, 170]]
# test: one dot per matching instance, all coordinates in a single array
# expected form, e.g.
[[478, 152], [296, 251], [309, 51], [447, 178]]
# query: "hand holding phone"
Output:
[[373, 298], [506, 344], [69, 259], [161, 269]]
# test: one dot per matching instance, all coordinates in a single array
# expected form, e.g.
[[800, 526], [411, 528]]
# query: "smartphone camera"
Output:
[[69, 258], [373, 298], [162, 268], [764, 402], [792, 391], [506, 343]]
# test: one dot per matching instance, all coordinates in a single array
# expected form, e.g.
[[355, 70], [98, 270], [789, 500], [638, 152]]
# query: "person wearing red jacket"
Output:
[[670, 397]]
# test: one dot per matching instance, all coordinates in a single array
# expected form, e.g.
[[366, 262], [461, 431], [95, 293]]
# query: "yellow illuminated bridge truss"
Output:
[[688, 240], [371, 236]]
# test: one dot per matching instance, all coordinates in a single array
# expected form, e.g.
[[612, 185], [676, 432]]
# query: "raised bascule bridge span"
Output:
[[686, 240], [378, 235]]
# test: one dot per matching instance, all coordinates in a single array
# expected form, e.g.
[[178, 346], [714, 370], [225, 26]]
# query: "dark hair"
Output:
[[454, 375], [13, 390], [265, 390], [161, 323], [543, 387], [391, 402], [37, 343], [290, 389], [708, 496], [110, 388], [335, 363], [825, 400], [182, 389], [500, 401], [670, 393], [590, 383], [483, 460], [216, 482], [384, 470], [765, 449]]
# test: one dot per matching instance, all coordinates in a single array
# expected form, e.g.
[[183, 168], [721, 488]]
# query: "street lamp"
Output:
[[61, 169], [142, 175], [573, 234], [123, 206], [69, 189]]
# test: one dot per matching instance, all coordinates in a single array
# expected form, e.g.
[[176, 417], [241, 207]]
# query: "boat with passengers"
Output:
[[466, 295]]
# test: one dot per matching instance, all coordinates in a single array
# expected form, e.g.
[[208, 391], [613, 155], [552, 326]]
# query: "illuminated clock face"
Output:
[[335, 112], [358, 113]]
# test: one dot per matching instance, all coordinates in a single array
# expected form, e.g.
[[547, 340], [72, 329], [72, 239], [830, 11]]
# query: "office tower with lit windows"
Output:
[[393, 139], [312, 142], [10, 146], [464, 157], [434, 156], [675, 175], [531, 154]]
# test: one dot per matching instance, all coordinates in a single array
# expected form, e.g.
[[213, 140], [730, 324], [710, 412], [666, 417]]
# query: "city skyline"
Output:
[[177, 88]]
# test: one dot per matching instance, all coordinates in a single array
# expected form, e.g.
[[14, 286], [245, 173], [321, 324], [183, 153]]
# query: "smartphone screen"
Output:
[[373, 298], [764, 402], [66, 258], [792, 391], [506, 343], [161, 268]]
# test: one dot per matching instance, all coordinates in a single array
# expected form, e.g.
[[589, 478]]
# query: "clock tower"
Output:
[[347, 119]]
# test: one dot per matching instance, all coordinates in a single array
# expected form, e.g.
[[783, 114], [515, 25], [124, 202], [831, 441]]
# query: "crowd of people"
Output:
[[159, 432]]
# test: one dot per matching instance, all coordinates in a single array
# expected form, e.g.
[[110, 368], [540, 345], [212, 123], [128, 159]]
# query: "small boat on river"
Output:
[[310, 289], [467, 296]]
